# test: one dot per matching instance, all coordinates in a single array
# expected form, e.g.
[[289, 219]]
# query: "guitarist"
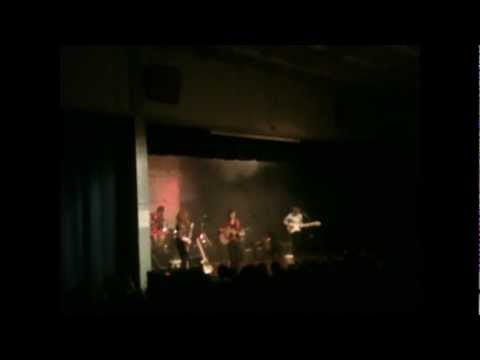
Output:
[[233, 231], [182, 238], [294, 218]]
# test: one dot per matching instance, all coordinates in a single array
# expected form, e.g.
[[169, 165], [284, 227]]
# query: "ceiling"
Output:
[[345, 64]]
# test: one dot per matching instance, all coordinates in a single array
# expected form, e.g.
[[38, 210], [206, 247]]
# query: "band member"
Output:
[[158, 237], [232, 229], [294, 219], [182, 237], [295, 225], [157, 223]]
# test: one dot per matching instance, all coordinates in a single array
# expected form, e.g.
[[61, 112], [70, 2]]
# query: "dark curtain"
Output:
[[98, 212]]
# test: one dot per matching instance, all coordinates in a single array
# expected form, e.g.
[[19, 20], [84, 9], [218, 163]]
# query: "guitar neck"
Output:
[[202, 251], [313, 223], [204, 257]]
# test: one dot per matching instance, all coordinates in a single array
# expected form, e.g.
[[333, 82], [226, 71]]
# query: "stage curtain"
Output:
[[98, 216]]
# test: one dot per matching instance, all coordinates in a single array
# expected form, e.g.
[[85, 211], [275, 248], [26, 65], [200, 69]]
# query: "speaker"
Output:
[[162, 84]]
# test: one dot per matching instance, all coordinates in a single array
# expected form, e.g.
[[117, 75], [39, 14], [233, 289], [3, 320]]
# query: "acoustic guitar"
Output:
[[228, 234]]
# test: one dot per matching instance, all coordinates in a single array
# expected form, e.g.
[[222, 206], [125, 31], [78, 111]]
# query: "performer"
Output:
[[294, 224], [158, 236], [182, 237], [232, 230], [157, 223], [294, 220]]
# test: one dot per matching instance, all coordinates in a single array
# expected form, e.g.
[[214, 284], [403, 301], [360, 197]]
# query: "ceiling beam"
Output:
[[341, 63], [267, 56]]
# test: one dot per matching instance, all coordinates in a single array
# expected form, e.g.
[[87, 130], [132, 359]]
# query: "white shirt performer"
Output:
[[293, 222]]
